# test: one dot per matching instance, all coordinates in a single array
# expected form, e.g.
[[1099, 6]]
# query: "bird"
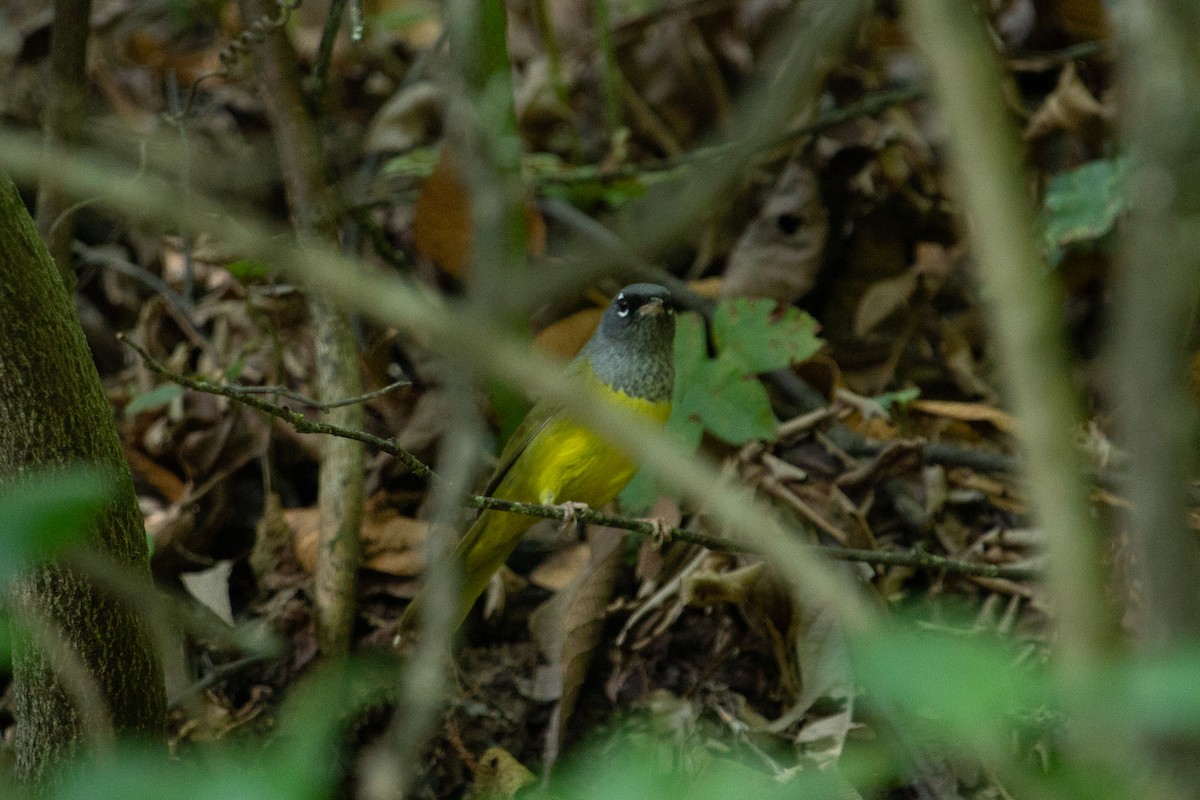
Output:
[[552, 459]]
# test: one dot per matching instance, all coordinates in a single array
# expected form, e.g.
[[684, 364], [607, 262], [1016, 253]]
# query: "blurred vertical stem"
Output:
[[610, 83], [483, 131], [1157, 292], [545, 24], [1157, 285], [63, 124], [388, 770], [313, 210], [1024, 301]]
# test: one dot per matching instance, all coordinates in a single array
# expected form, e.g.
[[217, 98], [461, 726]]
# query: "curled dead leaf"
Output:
[[1071, 107]]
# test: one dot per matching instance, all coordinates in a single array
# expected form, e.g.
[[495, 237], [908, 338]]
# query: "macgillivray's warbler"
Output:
[[552, 459]]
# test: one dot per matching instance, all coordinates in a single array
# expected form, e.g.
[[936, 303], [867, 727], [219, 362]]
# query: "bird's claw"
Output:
[[570, 510], [660, 532]]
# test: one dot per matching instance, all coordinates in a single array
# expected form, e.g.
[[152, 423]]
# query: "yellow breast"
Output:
[[568, 462]]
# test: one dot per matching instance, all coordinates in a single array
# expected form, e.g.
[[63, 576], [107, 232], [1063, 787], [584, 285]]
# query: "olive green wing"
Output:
[[534, 423]]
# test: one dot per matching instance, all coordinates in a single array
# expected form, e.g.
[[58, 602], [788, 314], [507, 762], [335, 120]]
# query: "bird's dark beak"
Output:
[[652, 308]]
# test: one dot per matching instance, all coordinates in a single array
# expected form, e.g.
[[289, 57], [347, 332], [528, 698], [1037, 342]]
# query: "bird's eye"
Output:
[[622, 307]]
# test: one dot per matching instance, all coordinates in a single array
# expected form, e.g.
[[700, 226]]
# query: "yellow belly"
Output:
[[568, 462]]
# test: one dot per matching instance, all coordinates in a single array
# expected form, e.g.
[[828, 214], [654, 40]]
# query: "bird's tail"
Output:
[[481, 551]]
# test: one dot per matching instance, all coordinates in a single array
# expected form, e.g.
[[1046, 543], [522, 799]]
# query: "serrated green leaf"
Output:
[[42, 514], [1083, 204], [155, 398], [717, 395], [762, 335], [729, 403]]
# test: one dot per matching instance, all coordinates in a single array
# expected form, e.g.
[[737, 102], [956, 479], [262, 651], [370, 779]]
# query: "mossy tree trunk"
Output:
[[53, 413]]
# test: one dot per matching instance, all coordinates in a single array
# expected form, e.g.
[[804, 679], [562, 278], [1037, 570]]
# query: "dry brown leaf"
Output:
[[967, 412], [564, 338], [1084, 19], [427, 420], [442, 227], [568, 627], [998, 492], [779, 254], [390, 543], [881, 300], [161, 479], [304, 523], [561, 568]]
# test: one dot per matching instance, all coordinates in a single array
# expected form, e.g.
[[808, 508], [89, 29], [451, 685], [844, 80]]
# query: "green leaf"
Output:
[[234, 370], [965, 686], [5, 646], [1157, 691], [43, 513], [155, 398], [660, 768], [727, 402], [898, 399], [763, 335], [418, 163], [296, 766], [247, 270], [141, 773], [1083, 204]]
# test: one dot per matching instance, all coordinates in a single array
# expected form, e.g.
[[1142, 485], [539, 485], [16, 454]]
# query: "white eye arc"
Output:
[[622, 306]]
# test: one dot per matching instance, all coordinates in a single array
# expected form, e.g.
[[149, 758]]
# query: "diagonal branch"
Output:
[[916, 558]]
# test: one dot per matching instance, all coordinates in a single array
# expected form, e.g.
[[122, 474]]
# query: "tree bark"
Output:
[[53, 413]]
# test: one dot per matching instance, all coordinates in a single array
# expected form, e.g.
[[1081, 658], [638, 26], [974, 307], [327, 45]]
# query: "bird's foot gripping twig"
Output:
[[660, 532], [571, 510]]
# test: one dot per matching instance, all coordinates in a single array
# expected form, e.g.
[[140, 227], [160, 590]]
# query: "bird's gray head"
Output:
[[632, 350]]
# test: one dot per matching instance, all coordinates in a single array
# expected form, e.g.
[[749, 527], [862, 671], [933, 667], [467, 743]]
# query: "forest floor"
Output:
[[892, 439]]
